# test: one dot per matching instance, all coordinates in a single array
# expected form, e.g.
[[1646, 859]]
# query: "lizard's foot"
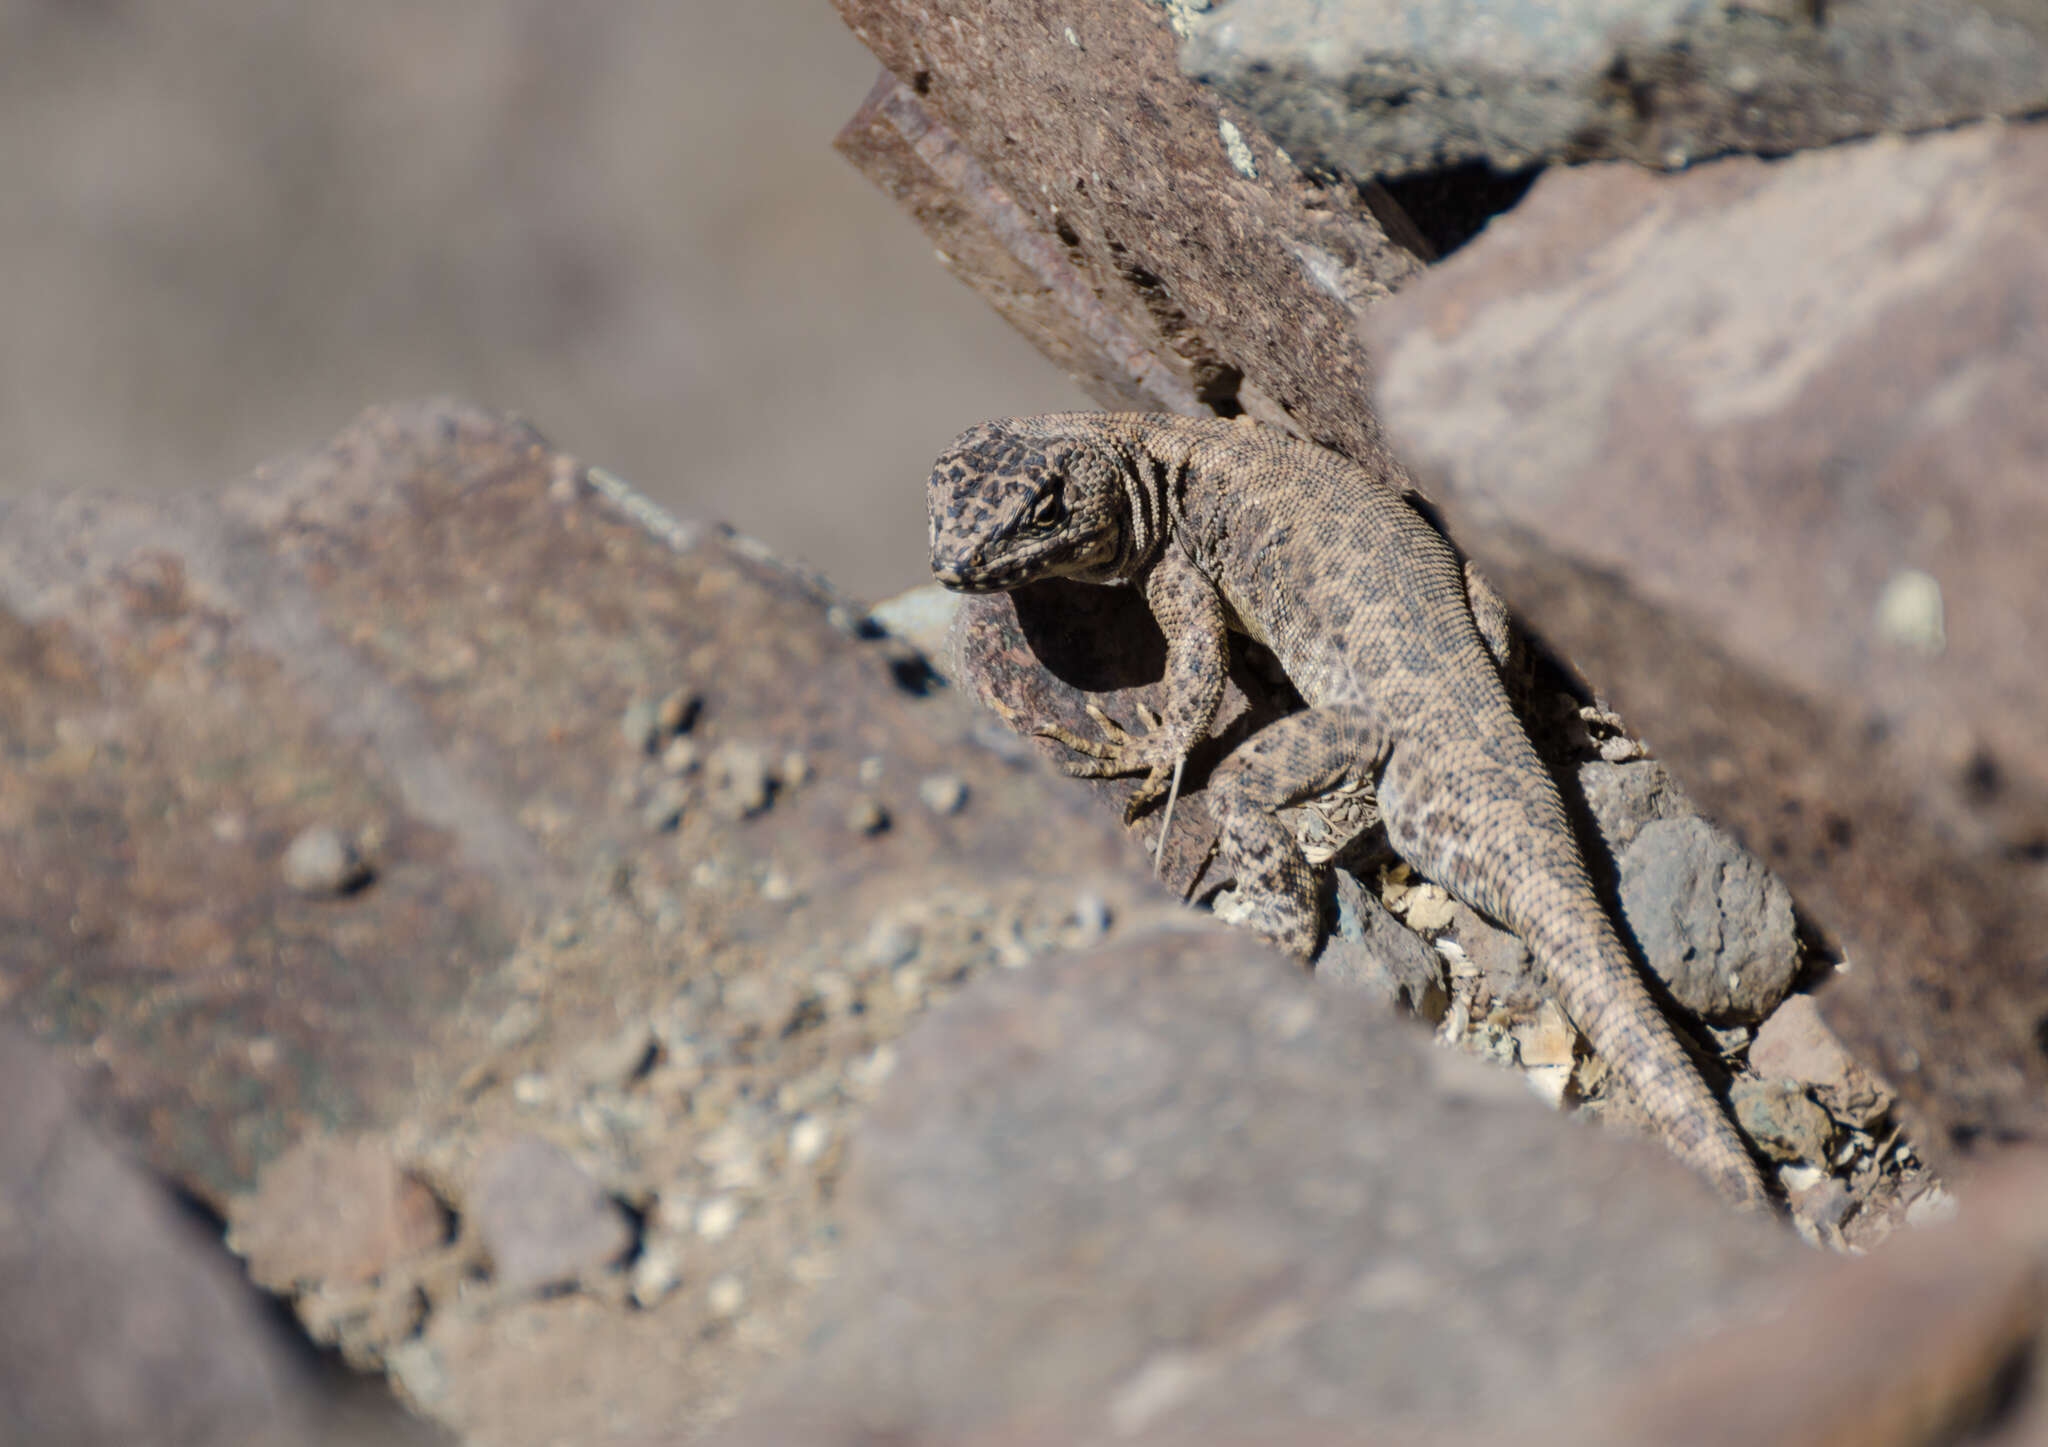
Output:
[[1119, 751]]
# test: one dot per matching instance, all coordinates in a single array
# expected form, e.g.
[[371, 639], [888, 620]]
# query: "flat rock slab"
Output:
[[1761, 446], [582, 782], [1169, 1191], [1389, 88], [1103, 202]]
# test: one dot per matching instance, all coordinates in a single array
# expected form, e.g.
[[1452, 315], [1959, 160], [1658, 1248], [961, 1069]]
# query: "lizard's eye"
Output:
[[1046, 512]]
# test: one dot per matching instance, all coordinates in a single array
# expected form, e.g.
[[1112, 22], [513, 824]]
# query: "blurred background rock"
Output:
[[228, 225]]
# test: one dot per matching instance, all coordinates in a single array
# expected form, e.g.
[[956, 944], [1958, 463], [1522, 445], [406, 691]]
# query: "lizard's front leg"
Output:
[[1190, 614]]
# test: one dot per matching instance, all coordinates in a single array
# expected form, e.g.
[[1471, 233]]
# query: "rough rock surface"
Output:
[[1711, 921], [1382, 88], [126, 1326], [1215, 1204], [1796, 1044], [1714, 924], [1761, 445], [1105, 204], [429, 637]]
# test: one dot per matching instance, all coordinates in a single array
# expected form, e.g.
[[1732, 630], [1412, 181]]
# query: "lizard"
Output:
[[1371, 613]]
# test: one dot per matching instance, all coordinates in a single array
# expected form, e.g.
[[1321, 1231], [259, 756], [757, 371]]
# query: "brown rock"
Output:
[[1796, 1044], [421, 630], [335, 1209], [1759, 445], [1152, 246]]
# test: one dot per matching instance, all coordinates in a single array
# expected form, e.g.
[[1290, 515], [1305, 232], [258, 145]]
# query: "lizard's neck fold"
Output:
[[1151, 479]]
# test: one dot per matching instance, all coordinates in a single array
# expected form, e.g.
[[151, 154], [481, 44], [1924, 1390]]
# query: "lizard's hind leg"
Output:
[[1301, 757]]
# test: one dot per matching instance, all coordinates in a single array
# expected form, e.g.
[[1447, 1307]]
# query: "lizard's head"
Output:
[[1015, 501]]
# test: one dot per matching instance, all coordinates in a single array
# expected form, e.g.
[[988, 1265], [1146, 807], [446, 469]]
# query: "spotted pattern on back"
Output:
[[1367, 608]]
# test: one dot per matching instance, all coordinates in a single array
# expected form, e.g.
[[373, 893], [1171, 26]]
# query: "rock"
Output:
[[1203, 265], [1383, 88], [1782, 1120], [677, 712], [613, 1061], [1369, 949], [321, 862], [943, 794], [657, 1272], [127, 1325], [922, 616], [1713, 923], [737, 781], [1796, 1044], [543, 1222], [1697, 428], [866, 815], [334, 1209], [640, 725], [1495, 953], [1090, 1186], [1623, 797], [663, 810], [414, 628]]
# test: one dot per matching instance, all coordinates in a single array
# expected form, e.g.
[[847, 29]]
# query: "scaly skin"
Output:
[[1369, 610]]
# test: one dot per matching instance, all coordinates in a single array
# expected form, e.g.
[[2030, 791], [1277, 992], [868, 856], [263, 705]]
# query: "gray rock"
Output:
[[542, 1220], [943, 794], [1369, 949], [1166, 1191], [1782, 1120], [1624, 797], [1714, 924], [1384, 88], [737, 781], [321, 862], [663, 810], [1498, 954]]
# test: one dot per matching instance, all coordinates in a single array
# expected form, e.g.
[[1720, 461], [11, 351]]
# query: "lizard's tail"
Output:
[[1607, 999]]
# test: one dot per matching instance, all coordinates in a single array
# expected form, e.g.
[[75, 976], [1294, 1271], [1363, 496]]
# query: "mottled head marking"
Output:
[[1023, 499]]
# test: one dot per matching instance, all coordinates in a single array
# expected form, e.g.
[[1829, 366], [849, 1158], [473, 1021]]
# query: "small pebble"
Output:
[[808, 1139], [1782, 1120], [738, 784], [541, 1219], [871, 770], [680, 757], [1091, 916], [641, 725], [795, 771], [321, 862], [943, 794], [776, 885], [678, 712], [717, 1216], [726, 1296], [664, 808], [519, 1024], [892, 942], [657, 1273], [866, 816], [532, 1089], [618, 1059]]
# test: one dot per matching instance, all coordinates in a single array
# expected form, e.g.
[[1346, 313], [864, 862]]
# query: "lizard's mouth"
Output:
[[962, 581]]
